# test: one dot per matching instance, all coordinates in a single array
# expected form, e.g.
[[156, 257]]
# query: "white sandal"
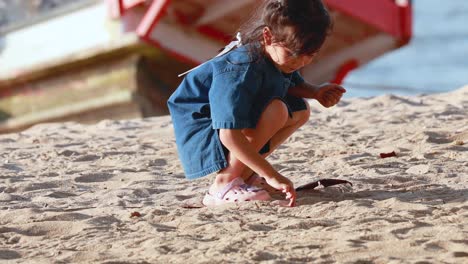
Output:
[[236, 191]]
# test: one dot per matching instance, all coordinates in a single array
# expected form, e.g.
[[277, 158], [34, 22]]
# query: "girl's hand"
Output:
[[283, 184], [329, 94]]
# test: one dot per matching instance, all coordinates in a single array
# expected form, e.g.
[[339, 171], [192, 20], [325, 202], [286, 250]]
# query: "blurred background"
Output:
[[434, 61], [87, 60]]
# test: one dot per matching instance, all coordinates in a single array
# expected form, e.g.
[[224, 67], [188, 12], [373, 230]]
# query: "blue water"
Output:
[[436, 59]]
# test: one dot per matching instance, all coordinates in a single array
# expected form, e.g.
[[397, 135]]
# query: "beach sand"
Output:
[[68, 192]]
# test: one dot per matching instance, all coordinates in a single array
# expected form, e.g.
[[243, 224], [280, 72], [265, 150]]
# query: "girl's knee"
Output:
[[306, 113], [301, 117], [277, 112]]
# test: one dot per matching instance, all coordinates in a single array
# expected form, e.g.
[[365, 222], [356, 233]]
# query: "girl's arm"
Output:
[[328, 94], [304, 90], [242, 149]]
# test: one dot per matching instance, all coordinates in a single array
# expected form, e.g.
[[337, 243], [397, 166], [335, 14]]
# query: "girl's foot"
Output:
[[236, 191]]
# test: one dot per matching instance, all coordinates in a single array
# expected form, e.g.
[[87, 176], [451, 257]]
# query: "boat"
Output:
[[120, 58], [193, 30]]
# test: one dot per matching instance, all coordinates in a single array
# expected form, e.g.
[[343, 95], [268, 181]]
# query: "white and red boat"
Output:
[[194, 30]]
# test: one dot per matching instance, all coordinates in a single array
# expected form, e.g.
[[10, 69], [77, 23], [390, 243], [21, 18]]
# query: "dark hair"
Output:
[[309, 21]]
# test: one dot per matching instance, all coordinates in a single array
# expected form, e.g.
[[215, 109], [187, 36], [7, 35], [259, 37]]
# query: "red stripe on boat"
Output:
[[152, 16], [385, 15]]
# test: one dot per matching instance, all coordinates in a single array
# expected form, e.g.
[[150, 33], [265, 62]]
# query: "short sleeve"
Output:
[[231, 97], [296, 79]]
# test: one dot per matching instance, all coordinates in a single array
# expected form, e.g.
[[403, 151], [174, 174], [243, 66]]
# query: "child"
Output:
[[231, 112]]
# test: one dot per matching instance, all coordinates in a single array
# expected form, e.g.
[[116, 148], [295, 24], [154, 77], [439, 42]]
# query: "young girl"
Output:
[[232, 111]]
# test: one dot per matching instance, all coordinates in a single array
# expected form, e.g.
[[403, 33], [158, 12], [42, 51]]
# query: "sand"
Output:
[[68, 192]]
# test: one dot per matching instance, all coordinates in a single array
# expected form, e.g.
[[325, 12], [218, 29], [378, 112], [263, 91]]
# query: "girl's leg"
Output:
[[274, 125], [273, 119], [298, 119]]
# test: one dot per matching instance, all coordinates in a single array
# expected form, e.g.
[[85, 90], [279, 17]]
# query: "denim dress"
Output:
[[227, 92]]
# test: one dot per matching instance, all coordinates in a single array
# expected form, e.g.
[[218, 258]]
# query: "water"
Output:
[[436, 60]]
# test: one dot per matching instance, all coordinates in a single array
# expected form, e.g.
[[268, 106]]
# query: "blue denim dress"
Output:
[[228, 92]]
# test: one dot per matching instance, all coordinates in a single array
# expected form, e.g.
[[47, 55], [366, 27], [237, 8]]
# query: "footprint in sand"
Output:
[[356, 243], [157, 163], [89, 157], [68, 217], [184, 197], [460, 254], [421, 213], [371, 237], [38, 186], [418, 242], [6, 197], [49, 174], [118, 153], [465, 241], [61, 194], [68, 153], [164, 228], [94, 177], [263, 256], [260, 228], [7, 140], [9, 254], [306, 225], [12, 167], [49, 229], [402, 232], [437, 138], [433, 246]]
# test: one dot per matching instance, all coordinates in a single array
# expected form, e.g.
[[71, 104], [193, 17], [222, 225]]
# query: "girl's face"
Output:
[[282, 57], [285, 59]]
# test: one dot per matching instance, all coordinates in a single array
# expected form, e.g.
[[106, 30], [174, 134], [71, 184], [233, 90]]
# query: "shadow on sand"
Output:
[[431, 194]]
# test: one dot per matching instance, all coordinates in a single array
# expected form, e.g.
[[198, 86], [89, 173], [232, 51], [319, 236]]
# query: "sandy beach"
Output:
[[114, 192]]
